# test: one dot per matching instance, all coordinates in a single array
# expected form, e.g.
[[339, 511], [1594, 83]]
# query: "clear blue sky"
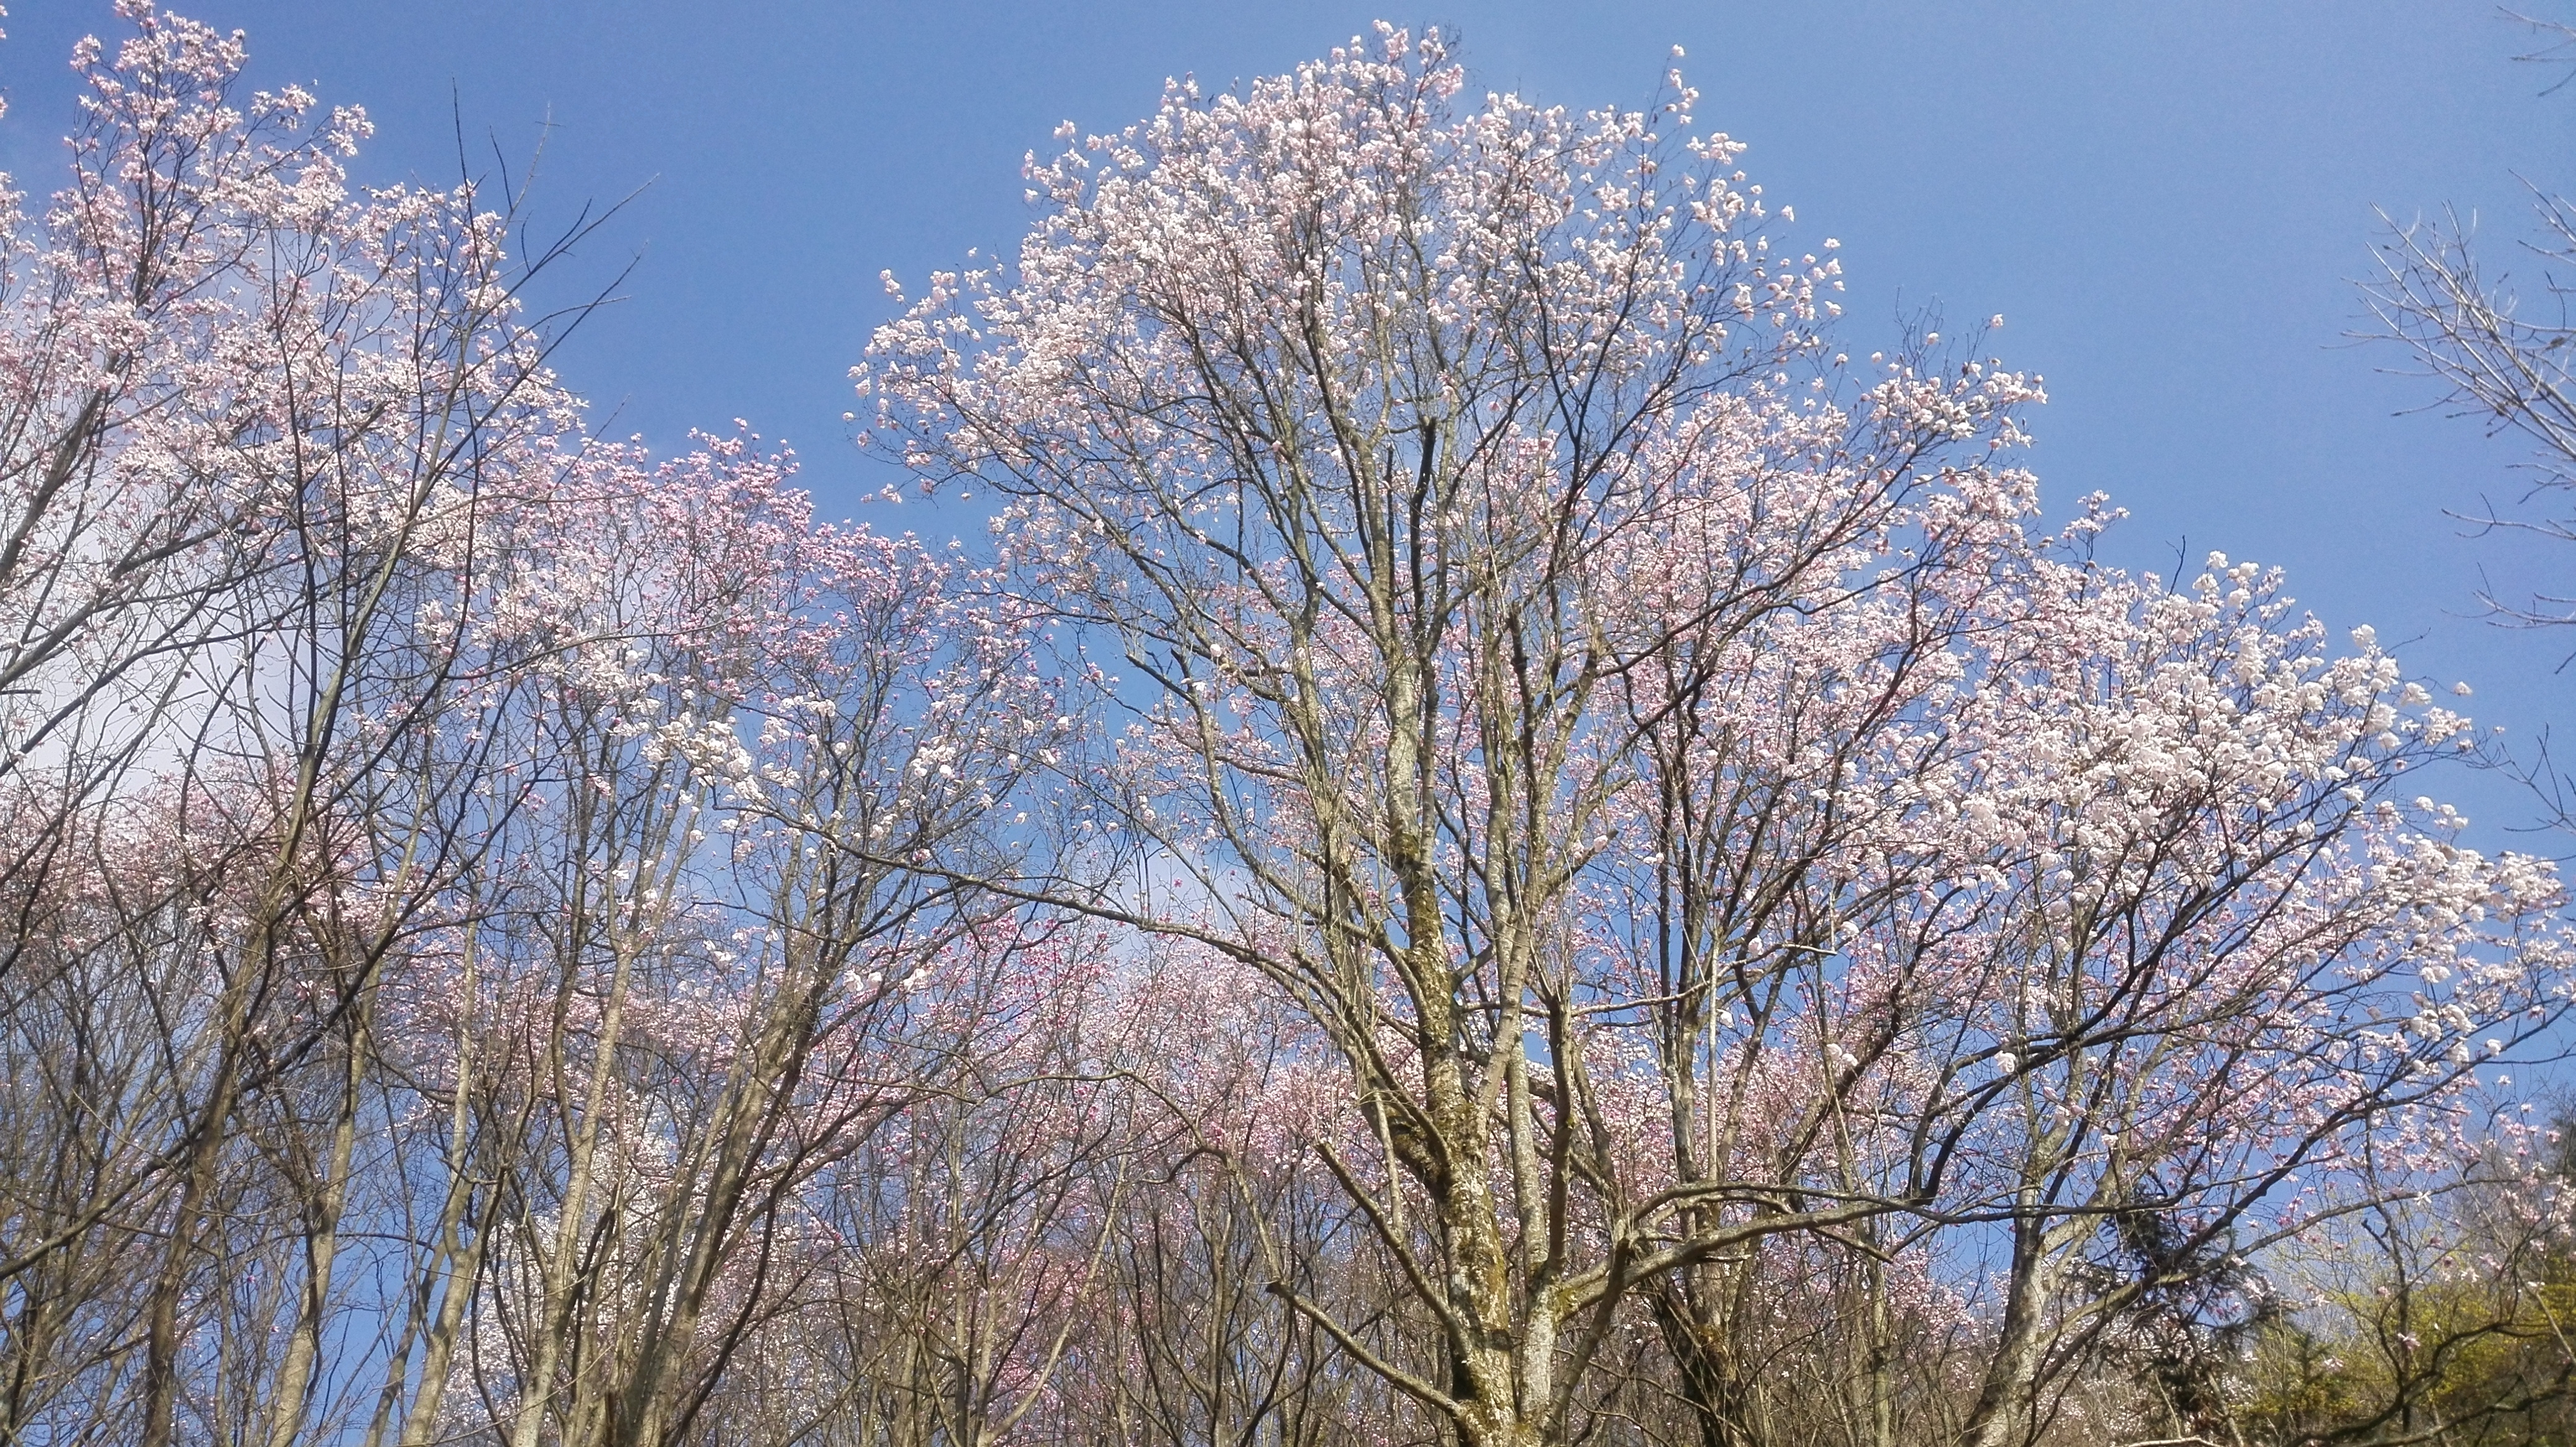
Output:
[[2167, 200]]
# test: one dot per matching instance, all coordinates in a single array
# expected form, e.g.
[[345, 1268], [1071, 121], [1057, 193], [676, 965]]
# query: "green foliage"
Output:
[[2453, 1322]]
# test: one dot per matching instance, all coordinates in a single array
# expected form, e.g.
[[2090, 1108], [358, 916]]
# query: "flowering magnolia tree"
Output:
[[443, 940], [1703, 826], [1504, 846], [250, 419]]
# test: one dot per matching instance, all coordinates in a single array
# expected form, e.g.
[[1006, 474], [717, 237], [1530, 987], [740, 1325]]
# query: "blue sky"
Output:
[[2167, 201]]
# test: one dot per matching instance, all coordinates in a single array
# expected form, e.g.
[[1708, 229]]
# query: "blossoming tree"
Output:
[[1696, 815], [1504, 846]]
